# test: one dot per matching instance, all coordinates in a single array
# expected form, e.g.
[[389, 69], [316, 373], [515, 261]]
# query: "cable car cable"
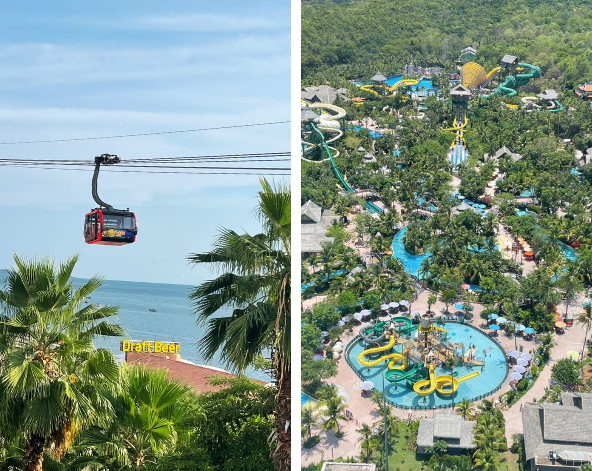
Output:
[[48, 141]]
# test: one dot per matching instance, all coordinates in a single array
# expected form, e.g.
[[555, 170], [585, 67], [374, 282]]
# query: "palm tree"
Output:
[[147, 411], [253, 296], [486, 459], [333, 412], [366, 439], [585, 320], [326, 392], [464, 408], [308, 418], [49, 366]]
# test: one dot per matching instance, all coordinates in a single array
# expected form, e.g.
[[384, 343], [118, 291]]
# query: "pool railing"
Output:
[[357, 338]]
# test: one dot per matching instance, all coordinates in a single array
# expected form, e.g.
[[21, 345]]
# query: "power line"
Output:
[[47, 141], [154, 171]]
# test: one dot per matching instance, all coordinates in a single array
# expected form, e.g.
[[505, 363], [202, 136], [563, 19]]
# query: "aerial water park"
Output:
[[422, 365]]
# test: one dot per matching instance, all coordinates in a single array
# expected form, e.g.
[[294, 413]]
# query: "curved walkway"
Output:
[[363, 409]]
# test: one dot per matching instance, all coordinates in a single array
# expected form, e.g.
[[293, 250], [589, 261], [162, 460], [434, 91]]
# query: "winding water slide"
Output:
[[394, 376], [458, 146], [409, 326], [555, 108], [393, 88], [443, 384], [508, 88], [327, 122], [394, 357]]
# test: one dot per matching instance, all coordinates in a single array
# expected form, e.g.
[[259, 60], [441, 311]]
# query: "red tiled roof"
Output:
[[587, 87], [192, 375]]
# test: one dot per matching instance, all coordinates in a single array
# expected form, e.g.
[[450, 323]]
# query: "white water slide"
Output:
[[326, 122]]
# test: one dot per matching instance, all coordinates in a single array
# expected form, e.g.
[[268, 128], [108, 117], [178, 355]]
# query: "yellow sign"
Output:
[[149, 346]]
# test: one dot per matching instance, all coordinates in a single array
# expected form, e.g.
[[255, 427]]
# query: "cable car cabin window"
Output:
[[91, 227], [119, 221]]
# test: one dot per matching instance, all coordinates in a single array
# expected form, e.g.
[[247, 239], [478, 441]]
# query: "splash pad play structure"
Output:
[[412, 360]]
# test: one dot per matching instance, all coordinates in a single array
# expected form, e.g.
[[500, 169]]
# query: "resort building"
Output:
[[330, 466], [468, 54], [558, 436], [196, 376], [314, 224], [323, 94], [426, 71], [584, 91], [501, 153], [449, 427]]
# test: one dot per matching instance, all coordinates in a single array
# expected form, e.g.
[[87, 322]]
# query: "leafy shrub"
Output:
[[312, 441]]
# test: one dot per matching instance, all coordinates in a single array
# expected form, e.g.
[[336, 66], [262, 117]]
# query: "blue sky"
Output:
[[77, 69]]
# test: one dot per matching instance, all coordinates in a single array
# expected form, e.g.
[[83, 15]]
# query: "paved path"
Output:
[[571, 340]]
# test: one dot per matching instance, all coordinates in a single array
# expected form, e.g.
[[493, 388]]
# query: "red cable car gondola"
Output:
[[105, 225]]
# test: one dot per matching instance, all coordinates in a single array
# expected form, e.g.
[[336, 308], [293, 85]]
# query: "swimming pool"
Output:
[[493, 374], [424, 82], [374, 134], [306, 285], [304, 399]]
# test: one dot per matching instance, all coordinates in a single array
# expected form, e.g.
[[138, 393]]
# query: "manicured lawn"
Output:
[[511, 459], [400, 457]]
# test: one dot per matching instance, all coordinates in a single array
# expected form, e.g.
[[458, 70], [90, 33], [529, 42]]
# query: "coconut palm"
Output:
[[308, 418], [247, 307], [464, 408], [366, 439], [585, 320], [50, 368], [333, 412], [147, 411], [487, 459]]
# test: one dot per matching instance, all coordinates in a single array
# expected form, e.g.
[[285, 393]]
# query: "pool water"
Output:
[[493, 374], [412, 263], [566, 250], [374, 134], [424, 82], [304, 399], [306, 285]]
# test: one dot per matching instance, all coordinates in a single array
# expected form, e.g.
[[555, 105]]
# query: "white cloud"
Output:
[[26, 65]]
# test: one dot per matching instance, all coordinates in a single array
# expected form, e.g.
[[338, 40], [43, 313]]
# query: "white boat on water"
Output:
[[152, 309]]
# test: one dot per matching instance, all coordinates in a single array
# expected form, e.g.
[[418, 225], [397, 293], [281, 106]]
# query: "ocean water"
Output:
[[173, 321]]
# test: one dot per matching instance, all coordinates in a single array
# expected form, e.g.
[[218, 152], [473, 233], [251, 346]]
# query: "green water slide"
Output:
[[369, 204], [557, 109], [394, 376], [409, 327], [508, 88], [378, 328]]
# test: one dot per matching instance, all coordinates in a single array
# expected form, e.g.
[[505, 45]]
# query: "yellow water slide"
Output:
[[429, 383], [446, 384], [403, 83], [474, 75], [367, 88], [494, 71], [395, 357]]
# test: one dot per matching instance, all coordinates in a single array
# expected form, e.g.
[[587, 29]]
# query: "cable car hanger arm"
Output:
[[106, 159]]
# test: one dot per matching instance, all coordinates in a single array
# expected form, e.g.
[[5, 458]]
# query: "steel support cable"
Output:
[[147, 171], [119, 136]]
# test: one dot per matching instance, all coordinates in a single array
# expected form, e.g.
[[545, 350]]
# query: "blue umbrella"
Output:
[[458, 306], [494, 327], [529, 330], [482, 206], [493, 316]]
